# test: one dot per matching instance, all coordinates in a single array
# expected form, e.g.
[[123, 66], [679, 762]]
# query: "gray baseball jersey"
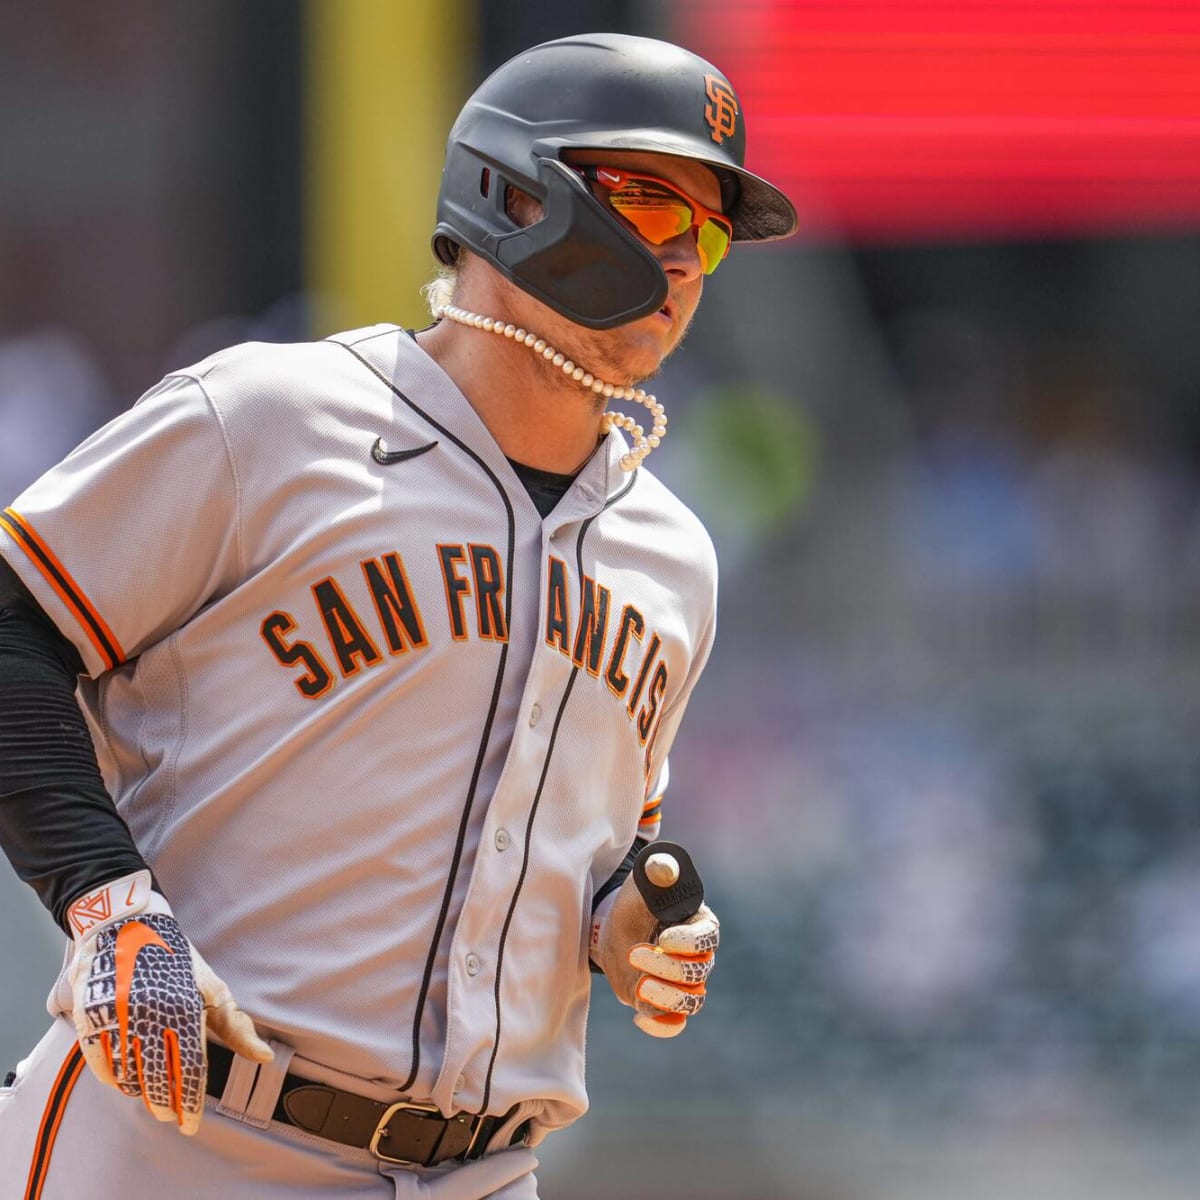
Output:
[[380, 730]]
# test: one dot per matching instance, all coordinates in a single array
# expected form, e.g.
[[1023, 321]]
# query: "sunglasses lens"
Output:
[[712, 239], [657, 216]]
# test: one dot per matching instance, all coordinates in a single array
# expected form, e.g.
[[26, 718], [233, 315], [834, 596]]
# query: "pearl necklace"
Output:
[[643, 443]]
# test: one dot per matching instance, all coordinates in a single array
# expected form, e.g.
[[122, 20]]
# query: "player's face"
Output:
[[649, 340], [634, 351]]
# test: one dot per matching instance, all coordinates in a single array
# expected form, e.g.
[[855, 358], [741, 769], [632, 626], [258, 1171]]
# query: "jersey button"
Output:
[[459, 1084], [473, 964], [502, 839], [535, 715]]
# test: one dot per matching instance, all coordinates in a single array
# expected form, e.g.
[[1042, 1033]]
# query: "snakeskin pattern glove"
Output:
[[143, 1000], [660, 973]]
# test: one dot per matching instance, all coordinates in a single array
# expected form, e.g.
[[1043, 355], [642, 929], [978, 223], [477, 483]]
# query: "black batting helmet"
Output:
[[592, 91]]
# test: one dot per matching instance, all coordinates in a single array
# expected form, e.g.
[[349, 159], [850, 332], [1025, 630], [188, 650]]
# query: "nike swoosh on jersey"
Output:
[[132, 938], [381, 454]]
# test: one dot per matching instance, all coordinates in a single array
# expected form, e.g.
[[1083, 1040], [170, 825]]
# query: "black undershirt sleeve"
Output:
[[58, 825]]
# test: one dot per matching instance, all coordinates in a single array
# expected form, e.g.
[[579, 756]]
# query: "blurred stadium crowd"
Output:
[[948, 752]]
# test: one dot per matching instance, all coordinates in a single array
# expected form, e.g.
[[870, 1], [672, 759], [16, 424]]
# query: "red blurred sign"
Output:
[[932, 119]]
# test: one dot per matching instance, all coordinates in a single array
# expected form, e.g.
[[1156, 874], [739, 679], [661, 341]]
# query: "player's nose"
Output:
[[680, 257]]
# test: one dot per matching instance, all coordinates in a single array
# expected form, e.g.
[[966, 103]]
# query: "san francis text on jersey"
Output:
[[608, 640]]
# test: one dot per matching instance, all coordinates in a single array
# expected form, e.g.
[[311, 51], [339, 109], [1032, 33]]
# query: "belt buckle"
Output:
[[382, 1128], [477, 1125]]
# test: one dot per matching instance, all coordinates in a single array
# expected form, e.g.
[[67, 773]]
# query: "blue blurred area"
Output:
[[943, 771]]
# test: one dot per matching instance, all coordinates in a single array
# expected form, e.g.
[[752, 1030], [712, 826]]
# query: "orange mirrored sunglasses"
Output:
[[659, 211]]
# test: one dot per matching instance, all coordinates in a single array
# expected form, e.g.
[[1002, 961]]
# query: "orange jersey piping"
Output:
[[56, 1105], [65, 587]]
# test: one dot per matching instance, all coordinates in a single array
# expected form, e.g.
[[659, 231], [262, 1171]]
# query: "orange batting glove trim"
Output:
[[670, 1019]]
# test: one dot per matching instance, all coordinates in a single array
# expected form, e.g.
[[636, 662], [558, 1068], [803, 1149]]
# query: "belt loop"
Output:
[[253, 1088]]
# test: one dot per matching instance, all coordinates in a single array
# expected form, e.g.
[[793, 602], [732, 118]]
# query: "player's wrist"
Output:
[[126, 896], [601, 915]]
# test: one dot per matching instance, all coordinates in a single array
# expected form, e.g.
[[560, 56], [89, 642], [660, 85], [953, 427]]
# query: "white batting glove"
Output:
[[663, 978], [143, 1000]]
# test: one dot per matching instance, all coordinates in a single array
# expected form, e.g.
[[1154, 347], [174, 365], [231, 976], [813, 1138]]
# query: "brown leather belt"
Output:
[[409, 1134]]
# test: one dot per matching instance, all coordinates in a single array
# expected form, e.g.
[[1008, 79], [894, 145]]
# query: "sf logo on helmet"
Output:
[[721, 114]]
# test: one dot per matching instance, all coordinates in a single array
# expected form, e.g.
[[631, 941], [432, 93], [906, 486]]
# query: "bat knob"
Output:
[[668, 882], [662, 870]]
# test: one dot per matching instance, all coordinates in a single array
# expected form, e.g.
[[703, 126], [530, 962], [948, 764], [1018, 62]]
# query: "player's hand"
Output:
[[144, 1000], [661, 974]]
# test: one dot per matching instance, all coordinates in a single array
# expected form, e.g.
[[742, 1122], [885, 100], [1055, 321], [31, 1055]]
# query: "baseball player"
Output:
[[338, 682]]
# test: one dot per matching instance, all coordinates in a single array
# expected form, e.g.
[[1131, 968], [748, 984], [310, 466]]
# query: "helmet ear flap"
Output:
[[578, 258], [482, 185]]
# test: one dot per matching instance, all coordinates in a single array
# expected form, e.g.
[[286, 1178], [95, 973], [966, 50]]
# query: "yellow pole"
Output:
[[384, 81]]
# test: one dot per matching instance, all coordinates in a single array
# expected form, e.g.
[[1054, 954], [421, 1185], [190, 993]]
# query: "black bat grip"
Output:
[[681, 900]]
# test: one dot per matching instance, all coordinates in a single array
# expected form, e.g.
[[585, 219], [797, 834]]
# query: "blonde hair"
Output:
[[441, 288]]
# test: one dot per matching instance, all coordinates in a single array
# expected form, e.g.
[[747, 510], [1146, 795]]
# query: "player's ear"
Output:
[[523, 208]]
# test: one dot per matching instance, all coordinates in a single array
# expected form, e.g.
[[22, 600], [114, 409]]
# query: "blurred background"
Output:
[[943, 772]]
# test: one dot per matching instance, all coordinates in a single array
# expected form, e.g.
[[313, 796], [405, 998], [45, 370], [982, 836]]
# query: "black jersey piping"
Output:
[[460, 840], [537, 799]]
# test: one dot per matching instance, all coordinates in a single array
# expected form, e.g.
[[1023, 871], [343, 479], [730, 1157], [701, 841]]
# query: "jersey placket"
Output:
[[488, 933]]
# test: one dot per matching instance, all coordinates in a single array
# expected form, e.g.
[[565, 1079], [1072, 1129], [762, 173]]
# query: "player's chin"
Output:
[[645, 344]]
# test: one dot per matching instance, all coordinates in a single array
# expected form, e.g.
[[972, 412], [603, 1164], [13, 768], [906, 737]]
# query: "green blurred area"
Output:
[[760, 453]]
